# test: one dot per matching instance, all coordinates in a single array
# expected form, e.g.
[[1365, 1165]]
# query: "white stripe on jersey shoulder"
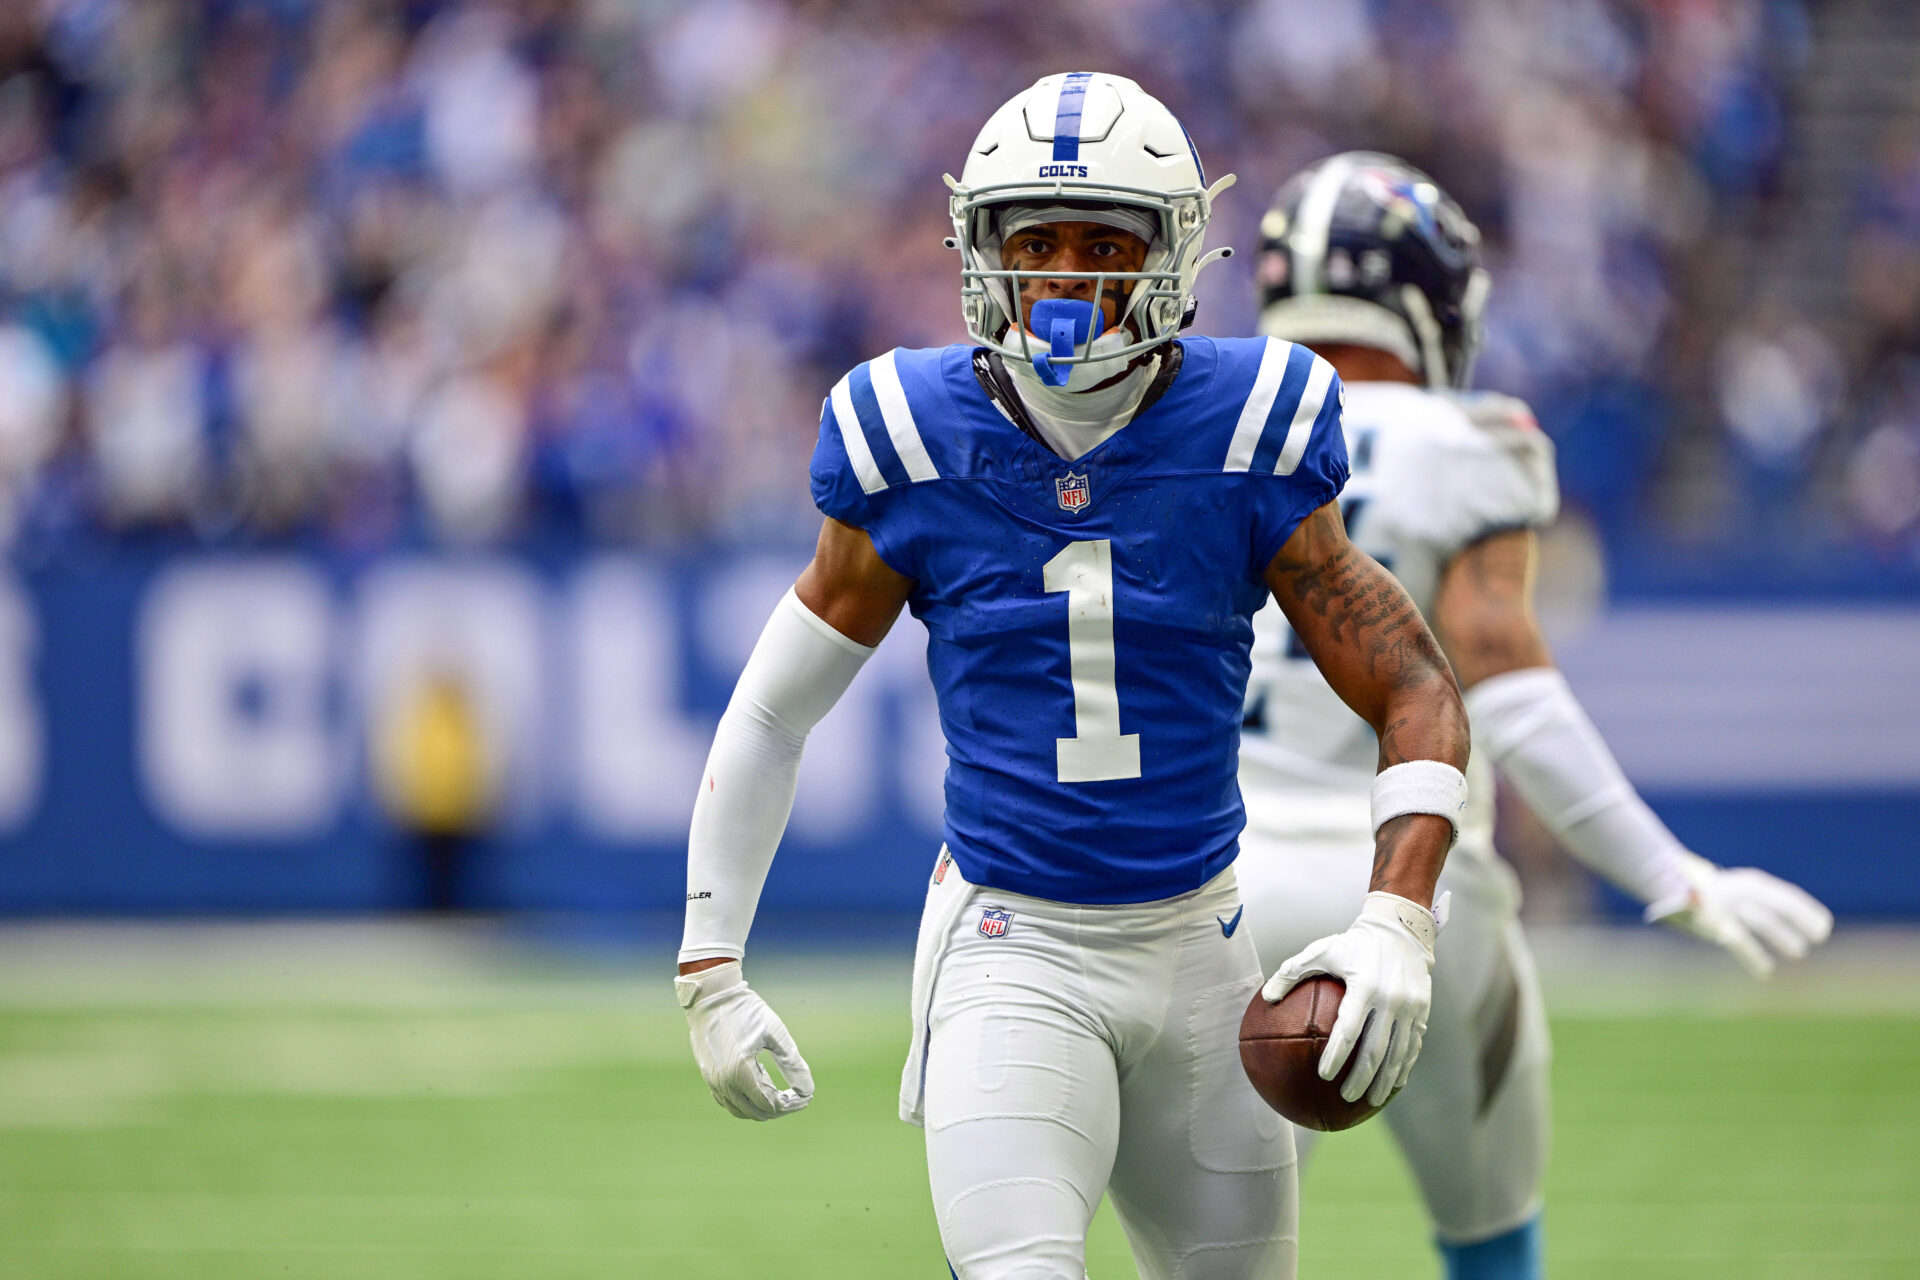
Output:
[[1312, 400], [901, 428], [864, 467], [1253, 415]]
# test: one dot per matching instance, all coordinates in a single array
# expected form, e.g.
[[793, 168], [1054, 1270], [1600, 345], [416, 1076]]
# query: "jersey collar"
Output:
[[1005, 450]]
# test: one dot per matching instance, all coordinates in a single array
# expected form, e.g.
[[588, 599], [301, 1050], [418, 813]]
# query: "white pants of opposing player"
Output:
[[1473, 1119], [1087, 1050]]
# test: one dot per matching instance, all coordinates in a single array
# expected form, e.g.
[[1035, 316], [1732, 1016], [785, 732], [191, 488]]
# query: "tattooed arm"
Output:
[[1371, 645], [1369, 641]]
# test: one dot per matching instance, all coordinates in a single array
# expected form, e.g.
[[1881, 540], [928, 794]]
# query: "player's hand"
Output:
[[1754, 915], [731, 1027], [1386, 960]]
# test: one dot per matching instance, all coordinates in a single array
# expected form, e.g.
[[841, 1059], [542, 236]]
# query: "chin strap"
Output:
[[990, 371], [1176, 355]]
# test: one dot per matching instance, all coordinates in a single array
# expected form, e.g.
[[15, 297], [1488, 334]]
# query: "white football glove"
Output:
[[1746, 911], [1386, 960], [731, 1026]]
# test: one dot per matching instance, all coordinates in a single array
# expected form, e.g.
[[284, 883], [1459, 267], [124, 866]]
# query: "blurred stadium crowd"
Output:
[[359, 273]]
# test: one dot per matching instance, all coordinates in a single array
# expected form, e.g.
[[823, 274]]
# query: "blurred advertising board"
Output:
[[213, 733]]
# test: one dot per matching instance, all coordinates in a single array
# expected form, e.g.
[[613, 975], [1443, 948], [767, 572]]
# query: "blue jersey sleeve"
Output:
[[1309, 460], [869, 457], [836, 489]]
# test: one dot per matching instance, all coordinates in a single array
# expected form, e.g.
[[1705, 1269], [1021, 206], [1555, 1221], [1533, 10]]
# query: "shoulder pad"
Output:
[[1292, 391], [1509, 423], [1492, 411], [1503, 471], [877, 427]]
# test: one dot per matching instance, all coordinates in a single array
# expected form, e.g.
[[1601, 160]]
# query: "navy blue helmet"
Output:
[[1364, 248]]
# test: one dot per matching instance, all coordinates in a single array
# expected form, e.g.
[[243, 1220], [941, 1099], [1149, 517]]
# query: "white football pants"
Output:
[[1065, 1051], [1473, 1119]]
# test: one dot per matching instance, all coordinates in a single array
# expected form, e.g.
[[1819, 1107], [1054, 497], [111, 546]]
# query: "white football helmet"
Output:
[[1084, 138]]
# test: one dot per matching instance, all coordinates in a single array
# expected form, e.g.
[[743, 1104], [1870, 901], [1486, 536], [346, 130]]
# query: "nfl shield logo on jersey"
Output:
[[993, 924], [1071, 489]]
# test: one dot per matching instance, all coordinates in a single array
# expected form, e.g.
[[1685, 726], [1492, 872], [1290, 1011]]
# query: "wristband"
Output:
[[1419, 786]]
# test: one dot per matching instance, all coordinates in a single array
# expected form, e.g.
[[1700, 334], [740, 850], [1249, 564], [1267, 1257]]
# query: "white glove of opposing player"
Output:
[[731, 1026], [1746, 911], [1386, 960]]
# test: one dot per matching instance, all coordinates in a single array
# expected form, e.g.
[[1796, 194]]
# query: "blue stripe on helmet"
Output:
[[1066, 117], [1196, 155]]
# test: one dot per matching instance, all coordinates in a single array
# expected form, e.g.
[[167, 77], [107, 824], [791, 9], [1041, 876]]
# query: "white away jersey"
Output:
[[1432, 473]]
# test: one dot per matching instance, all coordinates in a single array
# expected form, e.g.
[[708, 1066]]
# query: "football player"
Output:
[[1086, 511], [1364, 258]]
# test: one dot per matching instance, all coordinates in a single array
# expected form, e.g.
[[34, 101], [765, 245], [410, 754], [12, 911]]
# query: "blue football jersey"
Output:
[[1088, 622]]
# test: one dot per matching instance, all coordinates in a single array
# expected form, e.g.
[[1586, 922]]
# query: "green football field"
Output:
[[348, 1106]]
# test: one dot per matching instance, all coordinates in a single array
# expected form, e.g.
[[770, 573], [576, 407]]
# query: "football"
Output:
[[1280, 1047]]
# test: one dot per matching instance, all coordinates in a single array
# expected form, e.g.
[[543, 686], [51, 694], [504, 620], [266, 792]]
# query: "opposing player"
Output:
[[1367, 260], [1085, 511]]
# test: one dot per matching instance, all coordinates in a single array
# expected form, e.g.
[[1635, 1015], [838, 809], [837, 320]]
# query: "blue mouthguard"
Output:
[[1067, 324]]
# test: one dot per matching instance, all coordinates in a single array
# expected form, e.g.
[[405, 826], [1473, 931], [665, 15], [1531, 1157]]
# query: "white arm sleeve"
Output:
[[1533, 728], [799, 668]]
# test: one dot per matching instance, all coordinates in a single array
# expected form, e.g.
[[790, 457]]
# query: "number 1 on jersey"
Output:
[[1097, 751]]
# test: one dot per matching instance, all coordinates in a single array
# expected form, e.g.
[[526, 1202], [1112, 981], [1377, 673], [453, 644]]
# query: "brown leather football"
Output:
[[1280, 1047]]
